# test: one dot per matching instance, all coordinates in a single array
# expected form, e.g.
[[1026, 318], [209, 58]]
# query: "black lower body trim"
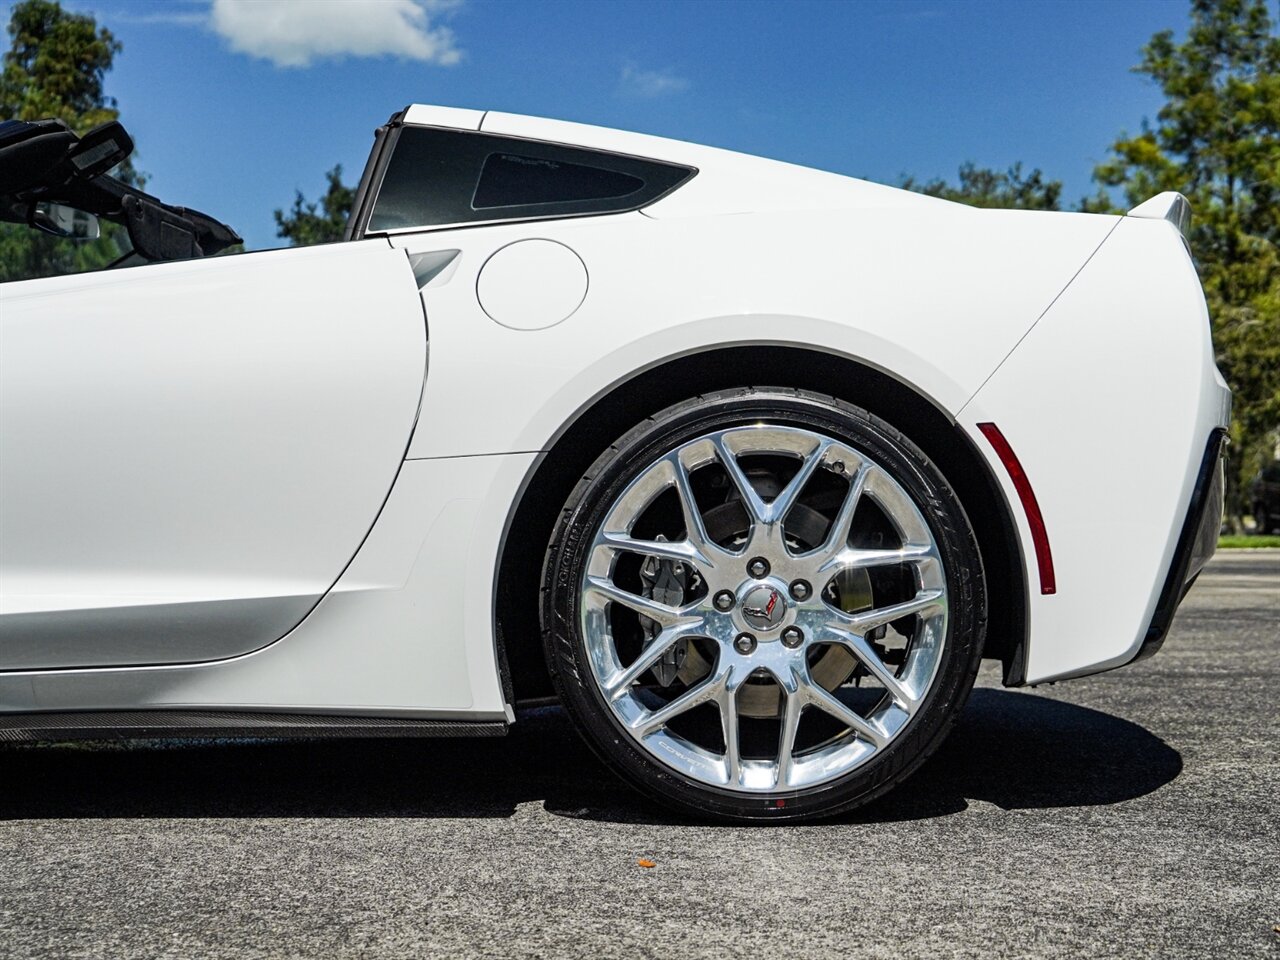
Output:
[[1196, 543], [205, 724]]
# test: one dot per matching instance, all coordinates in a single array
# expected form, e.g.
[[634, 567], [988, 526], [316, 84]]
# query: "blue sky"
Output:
[[236, 105]]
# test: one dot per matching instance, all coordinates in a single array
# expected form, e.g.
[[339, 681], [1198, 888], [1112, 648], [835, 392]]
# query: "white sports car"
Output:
[[746, 464]]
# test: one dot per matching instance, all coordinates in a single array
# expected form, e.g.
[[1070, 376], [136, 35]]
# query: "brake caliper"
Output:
[[665, 581]]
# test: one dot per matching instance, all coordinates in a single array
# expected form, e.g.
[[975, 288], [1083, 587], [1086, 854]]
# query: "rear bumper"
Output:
[[1196, 543]]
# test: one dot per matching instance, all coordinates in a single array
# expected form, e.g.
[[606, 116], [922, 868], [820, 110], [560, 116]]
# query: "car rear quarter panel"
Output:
[[936, 298], [1108, 403]]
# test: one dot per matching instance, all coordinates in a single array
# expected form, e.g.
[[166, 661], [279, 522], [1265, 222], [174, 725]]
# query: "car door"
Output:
[[191, 453]]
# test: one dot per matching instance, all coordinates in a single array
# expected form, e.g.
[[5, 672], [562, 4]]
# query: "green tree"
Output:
[[56, 65], [55, 68], [981, 187], [1217, 140], [307, 222]]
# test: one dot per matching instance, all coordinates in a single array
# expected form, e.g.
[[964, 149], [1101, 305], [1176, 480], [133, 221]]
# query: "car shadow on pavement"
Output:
[[1022, 751], [1015, 750]]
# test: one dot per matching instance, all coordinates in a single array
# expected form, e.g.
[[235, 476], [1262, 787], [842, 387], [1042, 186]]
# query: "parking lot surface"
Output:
[[1133, 814]]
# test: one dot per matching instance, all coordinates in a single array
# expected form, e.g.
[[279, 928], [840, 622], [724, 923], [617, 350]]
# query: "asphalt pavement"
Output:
[[1134, 814]]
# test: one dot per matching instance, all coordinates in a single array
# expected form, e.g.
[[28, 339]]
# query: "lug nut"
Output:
[[792, 637], [800, 590], [758, 568], [744, 643], [723, 600]]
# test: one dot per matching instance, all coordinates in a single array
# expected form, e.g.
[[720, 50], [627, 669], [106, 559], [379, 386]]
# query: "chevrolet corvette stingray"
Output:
[[746, 464]]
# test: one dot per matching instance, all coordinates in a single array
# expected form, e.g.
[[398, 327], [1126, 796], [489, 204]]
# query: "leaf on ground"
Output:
[[646, 863]]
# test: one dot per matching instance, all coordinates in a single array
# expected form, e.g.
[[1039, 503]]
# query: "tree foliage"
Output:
[[1217, 140], [308, 222], [55, 68], [56, 65], [982, 187]]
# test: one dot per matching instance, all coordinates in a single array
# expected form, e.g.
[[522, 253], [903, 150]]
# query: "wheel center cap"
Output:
[[764, 607]]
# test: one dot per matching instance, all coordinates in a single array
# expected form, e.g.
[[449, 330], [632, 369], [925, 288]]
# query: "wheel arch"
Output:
[[608, 416]]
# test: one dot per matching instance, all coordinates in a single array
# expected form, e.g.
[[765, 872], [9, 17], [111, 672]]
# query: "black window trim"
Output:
[[371, 180], [367, 195]]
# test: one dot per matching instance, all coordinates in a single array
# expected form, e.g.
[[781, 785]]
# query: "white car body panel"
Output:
[[1112, 466], [457, 118], [193, 451], [386, 640], [995, 275], [993, 316]]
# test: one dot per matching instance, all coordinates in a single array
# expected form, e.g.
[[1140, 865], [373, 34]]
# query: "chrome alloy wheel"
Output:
[[768, 606]]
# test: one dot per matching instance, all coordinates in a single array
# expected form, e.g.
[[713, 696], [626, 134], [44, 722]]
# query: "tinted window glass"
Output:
[[453, 176], [511, 180]]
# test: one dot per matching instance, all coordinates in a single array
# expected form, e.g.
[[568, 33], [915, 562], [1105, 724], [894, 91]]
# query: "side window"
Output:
[[437, 177], [512, 180]]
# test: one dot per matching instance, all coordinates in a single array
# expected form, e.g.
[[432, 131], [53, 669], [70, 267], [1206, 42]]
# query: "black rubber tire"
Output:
[[616, 467]]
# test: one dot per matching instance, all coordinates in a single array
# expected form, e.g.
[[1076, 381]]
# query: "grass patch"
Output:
[[1246, 542]]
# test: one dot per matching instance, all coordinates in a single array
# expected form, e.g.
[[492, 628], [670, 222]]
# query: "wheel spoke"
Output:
[[751, 500], [728, 701], [867, 620], [679, 551], [660, 613], [620, 682], [707, 690], [829, 703], [777, 508], [695, 528], [851, 558], [859, 647], [792, 708], [842, 525]]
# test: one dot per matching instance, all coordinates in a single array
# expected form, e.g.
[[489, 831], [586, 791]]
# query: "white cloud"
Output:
[[293, 33], [178, 13], [638, 82], [194, 19]]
